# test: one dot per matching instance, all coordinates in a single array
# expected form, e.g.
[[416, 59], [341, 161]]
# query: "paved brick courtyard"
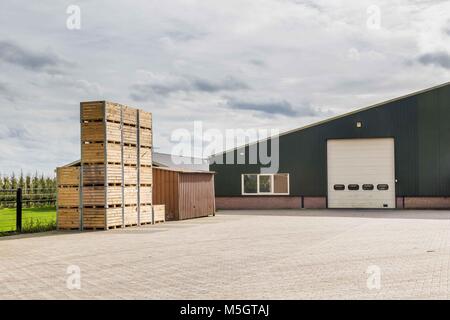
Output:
[[292, 254]]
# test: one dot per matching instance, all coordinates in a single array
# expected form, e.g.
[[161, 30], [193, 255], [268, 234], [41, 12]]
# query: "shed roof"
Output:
[[181, 170], [77, 163], [185, 163]]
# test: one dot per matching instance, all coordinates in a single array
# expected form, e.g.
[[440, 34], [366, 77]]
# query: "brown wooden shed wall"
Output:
[[165, 191], [196, 195], [186, 195]]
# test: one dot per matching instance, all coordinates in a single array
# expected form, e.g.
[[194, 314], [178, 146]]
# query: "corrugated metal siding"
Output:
[[420, 125], [165, 191], [444, 139], [196, 195], [186, 195]]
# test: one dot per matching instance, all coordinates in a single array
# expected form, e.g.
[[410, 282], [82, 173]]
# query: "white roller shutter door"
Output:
[[361, 164]]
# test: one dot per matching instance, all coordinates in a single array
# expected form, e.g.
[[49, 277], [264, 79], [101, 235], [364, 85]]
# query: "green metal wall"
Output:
[[420, 125]]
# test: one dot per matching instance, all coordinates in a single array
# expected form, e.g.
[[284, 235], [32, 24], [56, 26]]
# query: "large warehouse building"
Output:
[[394, 154]]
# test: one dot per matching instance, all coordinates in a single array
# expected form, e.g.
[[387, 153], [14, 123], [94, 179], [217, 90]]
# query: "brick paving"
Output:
[[282, 254]]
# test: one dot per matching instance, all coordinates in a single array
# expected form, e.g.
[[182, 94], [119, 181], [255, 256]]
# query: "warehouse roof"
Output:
[[380, 104]]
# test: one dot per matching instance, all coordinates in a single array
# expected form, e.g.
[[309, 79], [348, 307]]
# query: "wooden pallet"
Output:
[[94, 228], [131, 225], [68, 229], [115, 227]]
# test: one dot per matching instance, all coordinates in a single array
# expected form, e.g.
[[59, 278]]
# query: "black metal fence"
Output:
[[30, 198], [22, 198]]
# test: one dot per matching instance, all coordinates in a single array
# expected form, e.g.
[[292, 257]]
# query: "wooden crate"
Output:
[[94, 218], [130, 135], [95, 131], [92, 111], [146, 214], [92, 153], [145, 156], [145, 137], [115, 218], [95, 174], [159, 213], [99, 196], [68, 176], [92, 131], [130, 155], [130, 216], [113, 111], [130, 175], [68, 219], [68, 196], [145, 119], [146, 195], [146, 175], [130, 195], [129, 115]]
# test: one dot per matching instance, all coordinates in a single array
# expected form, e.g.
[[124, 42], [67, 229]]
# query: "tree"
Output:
[[21, 182], [37, 189], [28, 183], [6, 192], [1, 189], [6, 183], [13, 181]]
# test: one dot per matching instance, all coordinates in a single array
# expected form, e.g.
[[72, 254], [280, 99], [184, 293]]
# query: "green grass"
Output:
[[33, 219]]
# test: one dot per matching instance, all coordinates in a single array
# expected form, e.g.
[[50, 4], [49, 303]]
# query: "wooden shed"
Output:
[[185, 194]]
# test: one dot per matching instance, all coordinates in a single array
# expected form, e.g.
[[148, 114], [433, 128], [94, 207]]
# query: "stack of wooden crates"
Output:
[[68, 200], [114, 188]]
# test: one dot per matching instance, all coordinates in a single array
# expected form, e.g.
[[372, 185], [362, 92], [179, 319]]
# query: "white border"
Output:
[[271, 193]]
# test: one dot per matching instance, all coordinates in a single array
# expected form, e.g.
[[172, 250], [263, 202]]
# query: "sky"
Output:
[[234, 64]]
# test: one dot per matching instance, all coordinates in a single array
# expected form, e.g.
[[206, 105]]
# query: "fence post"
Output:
[[19, 210]]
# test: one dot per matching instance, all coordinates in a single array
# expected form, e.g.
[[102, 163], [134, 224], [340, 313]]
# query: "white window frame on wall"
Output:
[[272, 180]]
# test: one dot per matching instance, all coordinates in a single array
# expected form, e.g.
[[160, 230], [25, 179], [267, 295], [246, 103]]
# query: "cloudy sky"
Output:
[[230, 64]]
